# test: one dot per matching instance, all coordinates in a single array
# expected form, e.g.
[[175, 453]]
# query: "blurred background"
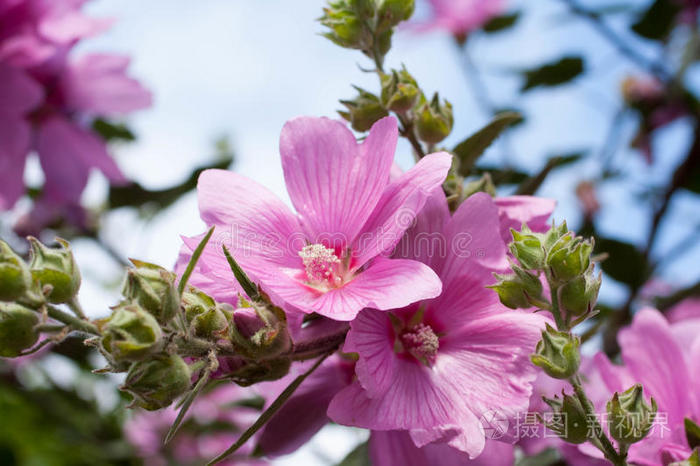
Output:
[[225, 76]]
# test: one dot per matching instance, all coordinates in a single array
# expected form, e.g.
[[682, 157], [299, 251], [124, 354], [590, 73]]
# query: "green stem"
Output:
[[556, 312], [601, 439], [77, 309], [74, 322]]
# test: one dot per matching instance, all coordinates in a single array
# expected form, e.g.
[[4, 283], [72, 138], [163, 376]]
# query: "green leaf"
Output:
[[625, 263], [359, 456], [499, 23], [469, 150], [553, 74], [187, 402], [501, 176], [248, 286], [193, 261], [269, 412], [692, 433], [658, 20], [112, 131]]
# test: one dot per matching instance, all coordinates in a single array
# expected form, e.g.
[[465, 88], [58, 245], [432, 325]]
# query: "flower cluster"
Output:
[[48, 101]]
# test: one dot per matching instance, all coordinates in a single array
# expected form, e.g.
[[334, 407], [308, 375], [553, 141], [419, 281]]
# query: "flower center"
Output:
[[321, 264], [421, 342]]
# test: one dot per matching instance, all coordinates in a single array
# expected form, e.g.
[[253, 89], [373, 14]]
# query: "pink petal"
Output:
[[67, 153], [68, 26], [18, 92], [334, 183], [616, 378], [98, 83], [656, 361], [390, 448], [514, 211], [259, 230], [399, 205], [385, 284], [14, 145]]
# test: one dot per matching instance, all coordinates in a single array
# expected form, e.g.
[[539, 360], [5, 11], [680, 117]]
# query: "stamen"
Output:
[[421, 342], [321, 264]]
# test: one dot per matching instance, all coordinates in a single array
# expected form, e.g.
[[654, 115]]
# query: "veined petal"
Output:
[[333, 182]]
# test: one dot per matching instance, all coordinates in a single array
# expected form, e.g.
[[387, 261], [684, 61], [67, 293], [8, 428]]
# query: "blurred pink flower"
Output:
[[213, 423], [48, 101], [464, 345], [460, 17], [687, 309], [330, 257], [516, 211]]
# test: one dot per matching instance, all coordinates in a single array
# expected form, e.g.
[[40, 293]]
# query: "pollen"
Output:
[[421, 342], [321, 264]]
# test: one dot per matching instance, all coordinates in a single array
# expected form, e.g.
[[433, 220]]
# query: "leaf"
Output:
[[625, 263], [193, 261], [187, 402], [248, 286], [501, 176], [553, 74], [502, 22], [359, 456], [134, 195], [658, 20], [269, 412], [112, 131], [531, 185], [469, 150], [692, 433]]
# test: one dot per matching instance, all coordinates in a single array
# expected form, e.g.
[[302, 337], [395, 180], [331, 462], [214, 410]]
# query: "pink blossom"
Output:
[[687, 309], [414, 362], [330, 258], [516, 211], [460, 17]]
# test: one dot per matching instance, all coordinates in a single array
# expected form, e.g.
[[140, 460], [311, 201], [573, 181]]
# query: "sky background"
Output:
[[241, 68]]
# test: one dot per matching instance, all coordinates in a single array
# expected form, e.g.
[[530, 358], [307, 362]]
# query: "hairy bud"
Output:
[[363, 111], [260, 331], [520, 290], [630, 416], [527, 248], [207, 318], [156, 383], [15, 277], [569, 419], [131, 334], [400, 91], [55, 270], [579, 296], [434, 120], [17, 331], [557, 353], [153, 288]]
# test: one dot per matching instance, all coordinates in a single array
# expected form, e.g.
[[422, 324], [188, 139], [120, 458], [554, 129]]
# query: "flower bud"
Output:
[[400, 91], [554, 234], [557, 353], [347, 23], [482, 185], [260, 331], [15, 277], [569, 419], [364, 111], [208, 319], [520, 290], [261, 371], [569, 257], [153, 288], [434, 120], [55, 270], [131, 334], [156, 383], [579, 296], [392, 12], [16, 329], [630, 417], [527, 248]]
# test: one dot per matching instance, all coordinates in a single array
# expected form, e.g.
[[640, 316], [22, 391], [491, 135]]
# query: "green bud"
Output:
[[557, 353], [579, 296], [482, 185], [434, 120], [131, 334], [554, 234], [260, 331], [208, 319], [400, 91], [261, 371], [156, 383], [153, 288], [392, 12], [364, 111], [630, 417], [569, 419], [55, 270], [17, 329], [520, 290], [15, 277], [527, 248], [569, 257], [347, 23]]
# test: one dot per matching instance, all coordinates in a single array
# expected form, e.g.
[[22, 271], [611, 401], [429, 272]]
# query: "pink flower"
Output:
[[687, 309], [460, 17], [435, 368], [516, 211], [664, 358], [47, 103], [330, 258]]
